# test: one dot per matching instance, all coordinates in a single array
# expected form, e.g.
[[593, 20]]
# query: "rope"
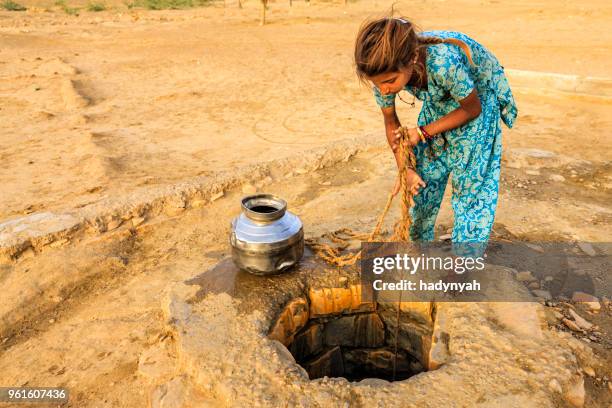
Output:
[[332, 252]]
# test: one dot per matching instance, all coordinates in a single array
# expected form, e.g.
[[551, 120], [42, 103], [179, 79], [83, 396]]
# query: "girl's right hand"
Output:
[[414, 183]]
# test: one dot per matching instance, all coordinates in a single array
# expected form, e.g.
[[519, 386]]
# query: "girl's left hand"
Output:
[[413, 136]]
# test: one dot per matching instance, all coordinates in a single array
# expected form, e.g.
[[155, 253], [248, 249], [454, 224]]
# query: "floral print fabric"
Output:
[[473, 153]]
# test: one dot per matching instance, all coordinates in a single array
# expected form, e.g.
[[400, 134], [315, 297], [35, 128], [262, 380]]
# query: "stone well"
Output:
[[306, 338], [332, 332]]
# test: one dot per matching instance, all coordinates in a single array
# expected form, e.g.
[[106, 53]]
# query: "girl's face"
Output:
[[391, 82]]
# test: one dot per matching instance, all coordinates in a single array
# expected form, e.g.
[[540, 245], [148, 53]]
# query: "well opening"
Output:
[[332, 333]]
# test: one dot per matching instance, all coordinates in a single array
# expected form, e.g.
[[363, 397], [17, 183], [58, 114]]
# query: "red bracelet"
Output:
[[427, 135]]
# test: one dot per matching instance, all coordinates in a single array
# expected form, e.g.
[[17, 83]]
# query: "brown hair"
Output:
[[390, 44]]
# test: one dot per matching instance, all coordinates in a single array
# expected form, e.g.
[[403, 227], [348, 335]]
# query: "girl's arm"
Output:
[[469, 109], [392, 123]]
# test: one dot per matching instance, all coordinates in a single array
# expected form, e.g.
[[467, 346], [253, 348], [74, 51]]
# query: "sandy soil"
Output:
[[125, 99], [96, 105], [95, 307]]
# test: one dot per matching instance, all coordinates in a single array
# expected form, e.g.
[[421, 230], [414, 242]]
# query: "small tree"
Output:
[[264, 5]]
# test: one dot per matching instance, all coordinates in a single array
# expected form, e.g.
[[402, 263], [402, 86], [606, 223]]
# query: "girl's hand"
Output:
[[412, 134], [414, 182]]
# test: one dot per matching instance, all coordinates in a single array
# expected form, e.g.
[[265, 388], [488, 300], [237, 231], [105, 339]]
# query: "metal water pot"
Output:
[[266, 238]]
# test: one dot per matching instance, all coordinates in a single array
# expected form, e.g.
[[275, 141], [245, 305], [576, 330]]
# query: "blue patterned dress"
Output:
[[473, 153]]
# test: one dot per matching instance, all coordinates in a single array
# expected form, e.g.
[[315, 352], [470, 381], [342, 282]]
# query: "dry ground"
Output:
[[96, 105], [101, 104]]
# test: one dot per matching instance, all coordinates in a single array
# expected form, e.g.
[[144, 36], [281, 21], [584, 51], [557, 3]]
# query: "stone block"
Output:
[[328, 364], [293, 317], [436, 350], [369, 331], [341, 331], [364, 330], [307, 342], [360, 363], [590, 301], [419, 311], [332, 301]]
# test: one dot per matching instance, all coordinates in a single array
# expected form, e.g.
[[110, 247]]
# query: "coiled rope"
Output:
[[338, 241]]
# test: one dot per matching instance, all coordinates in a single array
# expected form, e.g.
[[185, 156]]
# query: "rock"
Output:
[[587, 248], [328, 364], [589, 371], [340, 332], [365, 330], [58, 243], [420, 312], [301, 171], [377, 362], [216, 196], [574, 392], [325, 183], [544, 294], [582, 323], [438, 354], [198, 203], [554, 386], [308, 342], [592, 302], [605, 301], [534, 285], [571, 325], [369, 331], [330, 301], [373, 382], [533, 172], [557, 315], [248, 189], [136, 221], [113, 224], [557, 177], [525, 276], [293, 317]]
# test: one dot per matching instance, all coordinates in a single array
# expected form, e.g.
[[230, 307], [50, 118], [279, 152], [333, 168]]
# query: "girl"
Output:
[[465, 94]]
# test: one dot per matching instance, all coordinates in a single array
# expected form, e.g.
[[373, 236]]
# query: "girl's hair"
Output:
[[390, 44]]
